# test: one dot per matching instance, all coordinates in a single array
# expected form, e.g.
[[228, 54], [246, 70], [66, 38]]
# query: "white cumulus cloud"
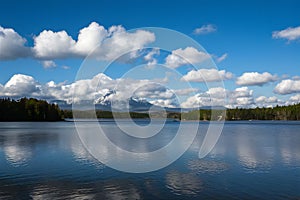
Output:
[[207, 75], [287, 86], [255, 78], [189, 55], [170, 103], [20, 85], [103, 88], [12, 45], [241, 97], [89, 38], [263, 101], [53, 45], [294, 99], [212, 97], [150, 57], [99, 87], [185, 91], [106, 44]]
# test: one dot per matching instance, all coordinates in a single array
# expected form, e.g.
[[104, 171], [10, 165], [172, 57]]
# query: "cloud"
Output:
[[119, 41], [205, 29], [154, 91], [53, 45], [48, 64], [98, 88], [20, 85], [196, 101], [241, 97], [12, 45], [290, 34], [150, 57], [294, 77], [255, 78], [294, 99], [170, 103], [207, 75], [221, 58], [217, 92], [102, 88], [287, 86], [89, 38], [185, 92], [106, 44], [218, 96], [263, 101], [242, 92], [212, 97], [65, 67], [189, 55], [151, 54]]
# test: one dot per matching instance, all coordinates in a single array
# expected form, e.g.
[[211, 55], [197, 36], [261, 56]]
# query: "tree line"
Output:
[[291, 112], [101, 114], [30, 109]]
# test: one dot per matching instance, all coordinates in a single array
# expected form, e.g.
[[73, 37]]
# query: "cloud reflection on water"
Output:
[[16, 154]]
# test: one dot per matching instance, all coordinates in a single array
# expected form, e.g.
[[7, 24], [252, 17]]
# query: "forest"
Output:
[[291, 112], [30, 109], [102, 114]]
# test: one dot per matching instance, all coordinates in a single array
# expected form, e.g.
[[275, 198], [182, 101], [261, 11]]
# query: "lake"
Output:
[[251, 160]]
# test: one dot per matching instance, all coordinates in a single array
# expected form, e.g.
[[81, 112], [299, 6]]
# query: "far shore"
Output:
[[148, 119]]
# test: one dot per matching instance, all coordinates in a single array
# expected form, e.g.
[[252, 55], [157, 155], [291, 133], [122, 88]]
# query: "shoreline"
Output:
[[147, 119]]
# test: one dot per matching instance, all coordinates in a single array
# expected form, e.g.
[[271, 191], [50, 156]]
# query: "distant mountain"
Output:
[[135, 105], [131, 104]]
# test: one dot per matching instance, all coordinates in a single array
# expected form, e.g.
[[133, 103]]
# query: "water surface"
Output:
[[260, 160]]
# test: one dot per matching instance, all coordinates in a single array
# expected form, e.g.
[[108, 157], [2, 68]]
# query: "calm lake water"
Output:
[[252, 160]]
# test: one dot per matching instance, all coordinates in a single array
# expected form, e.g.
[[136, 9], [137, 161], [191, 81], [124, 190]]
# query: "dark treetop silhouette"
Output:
[[30, 109]]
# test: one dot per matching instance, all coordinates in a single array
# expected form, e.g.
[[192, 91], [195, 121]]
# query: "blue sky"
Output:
[[242, 31]]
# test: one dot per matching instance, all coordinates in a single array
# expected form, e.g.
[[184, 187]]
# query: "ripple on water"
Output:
[[49, 191], [207, 166], [256, 166], [16, 155], [183, 183], [120, 189]]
